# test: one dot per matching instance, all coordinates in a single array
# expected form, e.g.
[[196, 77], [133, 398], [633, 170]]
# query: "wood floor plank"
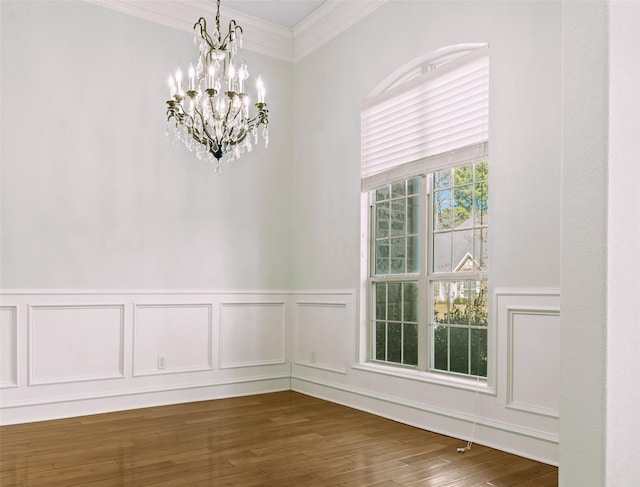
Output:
[[269, 440]]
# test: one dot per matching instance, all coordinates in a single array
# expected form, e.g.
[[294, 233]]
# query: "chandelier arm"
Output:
[[241, 137], [174, 112], [234, 28], [206, 132], [202, 23], [226, 116], [189, 124], [261, 118], [211, 107], [177, 111], [238, 113], [215, 139], [231, 132]]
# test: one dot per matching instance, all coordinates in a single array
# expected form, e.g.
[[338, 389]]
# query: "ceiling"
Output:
[[286, 13], [285, 29]]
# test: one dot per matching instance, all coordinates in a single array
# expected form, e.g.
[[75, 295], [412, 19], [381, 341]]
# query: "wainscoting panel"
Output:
[[322, 332], [72, 343], [171, 338], [8, 346], [528, 351], [533, 380], [252, 333]]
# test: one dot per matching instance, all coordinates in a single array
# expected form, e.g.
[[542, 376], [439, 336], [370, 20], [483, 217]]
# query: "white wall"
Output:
[[94, 196], [599, 265], [623, 265], [584, 242], [519, 411]]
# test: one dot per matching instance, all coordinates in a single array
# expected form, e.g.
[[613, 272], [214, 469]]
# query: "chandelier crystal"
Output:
[[211, 117]]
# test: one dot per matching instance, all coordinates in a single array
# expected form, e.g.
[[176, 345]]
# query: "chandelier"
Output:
[[211, 117]]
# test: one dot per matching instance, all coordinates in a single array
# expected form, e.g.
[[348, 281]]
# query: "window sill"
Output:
[[469, 384]]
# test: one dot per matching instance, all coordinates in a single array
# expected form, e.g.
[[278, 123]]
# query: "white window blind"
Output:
[[441, 111]]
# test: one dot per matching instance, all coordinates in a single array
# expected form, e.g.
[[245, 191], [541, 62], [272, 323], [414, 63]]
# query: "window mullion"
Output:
[[423, 287], [372, 299], [402, 319], [386, 322]]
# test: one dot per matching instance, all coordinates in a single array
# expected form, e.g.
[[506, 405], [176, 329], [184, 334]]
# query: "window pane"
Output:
[[413, 215], [443, 210], [481, 252], [442, 252], [441, 348], [382, 193], [410, 344], [382, 257], [463, 175], [459, 349], [413, 254], [398, 217], [382, 219], [482, 171], [413, 186], [394, 303], [441, 302], [478, 312], [381, 340], [394, 349], [397, 266], [462, 206], [442, 179], [398, 253], [398, 189], [410, 302], [463, 251], [481, 203], [459, 313], [381, 301], [479, 352]]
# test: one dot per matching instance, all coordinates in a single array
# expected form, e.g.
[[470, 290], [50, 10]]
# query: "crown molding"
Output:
[[262, 37], [328, 21], [259, 36]]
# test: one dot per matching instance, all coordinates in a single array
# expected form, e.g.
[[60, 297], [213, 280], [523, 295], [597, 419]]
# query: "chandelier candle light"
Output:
[[212, 116]]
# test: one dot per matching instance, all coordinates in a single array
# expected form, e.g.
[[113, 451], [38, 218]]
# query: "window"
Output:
[[426, 185]]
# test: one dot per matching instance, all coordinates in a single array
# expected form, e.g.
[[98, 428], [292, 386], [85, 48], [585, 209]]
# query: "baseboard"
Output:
[[526, 442], [67, 406]]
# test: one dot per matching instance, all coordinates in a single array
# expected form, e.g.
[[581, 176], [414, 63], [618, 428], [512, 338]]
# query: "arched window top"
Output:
[[424, 64], [432, 112]]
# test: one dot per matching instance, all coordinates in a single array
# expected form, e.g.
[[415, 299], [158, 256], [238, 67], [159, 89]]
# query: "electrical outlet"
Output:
[[313, 357], [161, 362]]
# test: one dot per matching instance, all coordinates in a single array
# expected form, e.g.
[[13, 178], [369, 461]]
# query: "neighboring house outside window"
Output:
[[426, 177]]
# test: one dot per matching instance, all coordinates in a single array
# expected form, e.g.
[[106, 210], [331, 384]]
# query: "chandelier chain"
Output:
[[218, 19]]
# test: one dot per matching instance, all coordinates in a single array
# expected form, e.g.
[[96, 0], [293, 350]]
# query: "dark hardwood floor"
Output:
[[279, 439]]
